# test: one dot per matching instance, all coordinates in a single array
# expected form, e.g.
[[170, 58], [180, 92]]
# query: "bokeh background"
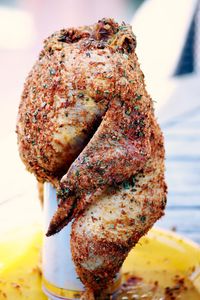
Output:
[[168, 48], [24, 24]]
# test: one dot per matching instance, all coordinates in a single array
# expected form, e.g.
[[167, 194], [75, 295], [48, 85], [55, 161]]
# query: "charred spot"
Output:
[[138, 123], [50, 50], [62, 193], [100, 171], [42, 54], [164, 201], [129, 44], [72, 36], [104, 29], [97, 278], [104, 33], [140, 134], [101, 45]]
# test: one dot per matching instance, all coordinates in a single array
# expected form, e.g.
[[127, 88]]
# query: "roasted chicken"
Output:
[[86, 124]]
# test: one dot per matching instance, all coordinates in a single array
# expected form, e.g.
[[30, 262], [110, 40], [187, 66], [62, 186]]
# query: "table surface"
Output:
[[180, 120]]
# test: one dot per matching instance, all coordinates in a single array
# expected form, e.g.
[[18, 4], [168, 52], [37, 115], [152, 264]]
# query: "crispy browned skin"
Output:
[[120, 147], [85, 113], [108, 229]]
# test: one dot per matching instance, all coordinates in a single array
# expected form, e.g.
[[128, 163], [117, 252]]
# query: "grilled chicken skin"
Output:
[[108, 229], [120, 146], [86, 124]]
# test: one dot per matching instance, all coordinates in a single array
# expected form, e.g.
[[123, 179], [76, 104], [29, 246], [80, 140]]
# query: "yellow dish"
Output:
[[168, 265], [162, 259]]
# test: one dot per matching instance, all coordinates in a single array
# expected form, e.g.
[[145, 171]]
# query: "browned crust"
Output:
[[95, 63], [50, 78], [115, 252], [121, 145]]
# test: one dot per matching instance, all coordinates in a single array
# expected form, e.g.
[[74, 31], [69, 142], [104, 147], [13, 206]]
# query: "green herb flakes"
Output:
[[138, 97], [36, 112], [126, 185], [140, 134], [132, 81], [142, 219], [80, 95], [128, 112], [52, 71], [106, 92], [133, 181]]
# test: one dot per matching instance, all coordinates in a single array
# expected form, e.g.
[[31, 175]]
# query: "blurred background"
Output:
[[24, 24], [168, 48]]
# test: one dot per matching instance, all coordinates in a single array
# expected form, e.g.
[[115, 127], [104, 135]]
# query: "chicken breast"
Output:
[[86, 124]]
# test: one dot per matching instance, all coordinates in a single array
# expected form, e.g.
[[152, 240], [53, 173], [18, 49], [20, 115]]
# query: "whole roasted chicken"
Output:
[[86, 124]]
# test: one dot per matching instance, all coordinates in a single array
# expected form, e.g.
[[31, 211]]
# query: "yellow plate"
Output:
[[161, 256], [168, 264]]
